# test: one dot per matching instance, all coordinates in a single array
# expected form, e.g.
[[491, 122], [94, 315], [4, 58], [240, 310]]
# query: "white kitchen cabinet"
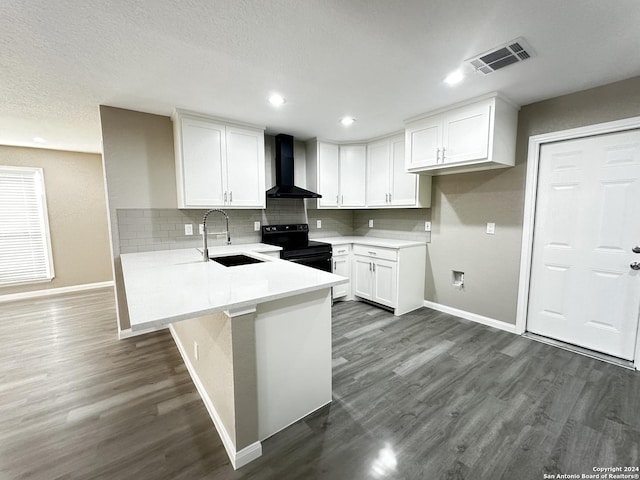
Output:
[[353, 167], [478, 135], [328, 174], [388, 184], [342, 266], [218, 164], [375, 274], [338, 173], [393, 277], [376, 280]]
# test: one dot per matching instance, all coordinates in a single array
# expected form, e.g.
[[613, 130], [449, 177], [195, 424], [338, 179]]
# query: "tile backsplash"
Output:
[[143, 230], [401, 224]]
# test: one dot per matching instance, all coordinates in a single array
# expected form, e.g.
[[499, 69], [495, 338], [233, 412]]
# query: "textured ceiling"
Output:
[[380, 61]]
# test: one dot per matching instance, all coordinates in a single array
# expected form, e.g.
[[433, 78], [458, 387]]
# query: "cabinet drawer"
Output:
[[340, 250], [376, 252]]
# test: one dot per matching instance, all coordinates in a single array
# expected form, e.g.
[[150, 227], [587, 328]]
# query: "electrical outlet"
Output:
[[370, 223], [256, 226], [491, 228], [200, 228], [196, 350], [188, 229], [427, 226], [318, 223]]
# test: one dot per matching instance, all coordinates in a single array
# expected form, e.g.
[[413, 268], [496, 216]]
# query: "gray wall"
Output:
[[77, 213], [137, 152], [464, 203]]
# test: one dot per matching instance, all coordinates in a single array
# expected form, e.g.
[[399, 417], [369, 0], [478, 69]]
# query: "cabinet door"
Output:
[[403, 184], [378, 173], [385, 288], [353, 175], [245, 168], [423, 141], [328, 168], [203, 152], [363, 268], [466, 133], [341, 267]]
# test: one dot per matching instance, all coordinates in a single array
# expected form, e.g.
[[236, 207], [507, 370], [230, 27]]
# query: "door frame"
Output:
[[530, 198]]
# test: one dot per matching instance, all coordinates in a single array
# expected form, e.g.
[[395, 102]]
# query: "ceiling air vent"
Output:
[[514, 51]]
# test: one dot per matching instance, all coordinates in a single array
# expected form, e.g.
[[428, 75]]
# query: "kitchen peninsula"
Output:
[[256, 338]]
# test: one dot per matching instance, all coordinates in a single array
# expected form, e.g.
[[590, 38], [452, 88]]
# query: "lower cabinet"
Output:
[[342, 267], [385, 272], [393, 277], [376, 280]]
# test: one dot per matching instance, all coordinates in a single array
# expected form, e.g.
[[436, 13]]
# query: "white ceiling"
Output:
[[381, 61]]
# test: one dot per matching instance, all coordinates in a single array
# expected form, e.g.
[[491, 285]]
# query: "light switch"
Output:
[[256, 226], [427, 226], [318, 223], [491, 228], [201, 229], [370, 223], [188, 229]]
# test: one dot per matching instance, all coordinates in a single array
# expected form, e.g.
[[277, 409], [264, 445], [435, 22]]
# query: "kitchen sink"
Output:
[[235, 260]]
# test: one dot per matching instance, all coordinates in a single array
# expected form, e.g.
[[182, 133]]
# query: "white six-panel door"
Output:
[[583, 289]]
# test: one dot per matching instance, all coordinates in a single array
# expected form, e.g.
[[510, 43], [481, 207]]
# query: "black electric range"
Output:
[[296, 246]]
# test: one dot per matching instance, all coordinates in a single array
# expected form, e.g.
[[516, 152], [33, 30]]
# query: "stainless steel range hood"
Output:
[[284, 187]]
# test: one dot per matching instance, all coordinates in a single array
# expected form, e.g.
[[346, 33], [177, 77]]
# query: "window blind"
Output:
[[25, 252]]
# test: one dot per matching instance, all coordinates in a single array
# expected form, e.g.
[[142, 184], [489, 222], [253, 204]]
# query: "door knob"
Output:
[[635, 266], [636, 249]]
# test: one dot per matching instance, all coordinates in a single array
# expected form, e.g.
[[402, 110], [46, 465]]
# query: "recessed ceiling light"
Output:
[[347, 121], [454, 77], [276, 100], [39, 140]]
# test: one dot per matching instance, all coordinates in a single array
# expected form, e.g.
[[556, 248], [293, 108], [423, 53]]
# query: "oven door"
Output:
[[320, 261]]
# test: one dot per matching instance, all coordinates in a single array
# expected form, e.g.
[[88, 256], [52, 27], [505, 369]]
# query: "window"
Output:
[[25, 246]]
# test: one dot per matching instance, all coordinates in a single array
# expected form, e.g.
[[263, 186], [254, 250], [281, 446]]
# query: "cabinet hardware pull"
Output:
[[369, 266], [374, 267], [225, 197], [636, 249], [635, 266], [337, 199], [389, 198], [231, 197], [437, 155], [342, 200], [334, 266], [386, 198], [443, 154], [371, 253]]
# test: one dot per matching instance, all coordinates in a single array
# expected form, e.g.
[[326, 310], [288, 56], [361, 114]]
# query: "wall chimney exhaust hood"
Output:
[[284, 172]]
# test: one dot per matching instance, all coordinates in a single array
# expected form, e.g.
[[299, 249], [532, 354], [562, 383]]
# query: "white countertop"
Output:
[[372, 241], [166, 286]]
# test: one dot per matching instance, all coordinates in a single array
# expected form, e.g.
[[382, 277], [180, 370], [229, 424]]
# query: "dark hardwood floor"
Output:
[[423, 396]]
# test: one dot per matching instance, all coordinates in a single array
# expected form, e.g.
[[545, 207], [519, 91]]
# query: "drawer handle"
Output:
[[371, 253]]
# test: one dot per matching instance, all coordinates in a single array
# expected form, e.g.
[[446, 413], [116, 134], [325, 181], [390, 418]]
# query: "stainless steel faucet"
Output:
[[205, 248]]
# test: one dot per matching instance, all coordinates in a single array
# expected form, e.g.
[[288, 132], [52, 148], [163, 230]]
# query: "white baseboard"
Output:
[[128, 333], [10, 297], [238, 458], [474, 317]]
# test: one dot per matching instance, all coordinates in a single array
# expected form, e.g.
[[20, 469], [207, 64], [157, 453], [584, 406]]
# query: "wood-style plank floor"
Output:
[[423, 396]]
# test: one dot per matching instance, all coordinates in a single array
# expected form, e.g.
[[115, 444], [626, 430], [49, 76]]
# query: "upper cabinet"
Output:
[[218, 164], [388, 184], [337, 172], [370, 175], [479, 135]]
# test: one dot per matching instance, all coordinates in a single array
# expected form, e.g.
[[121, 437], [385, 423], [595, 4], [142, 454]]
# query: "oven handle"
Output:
[[311, 258]]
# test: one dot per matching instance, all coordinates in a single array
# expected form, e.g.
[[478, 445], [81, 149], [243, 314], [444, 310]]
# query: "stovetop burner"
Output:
[[294, 240]]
